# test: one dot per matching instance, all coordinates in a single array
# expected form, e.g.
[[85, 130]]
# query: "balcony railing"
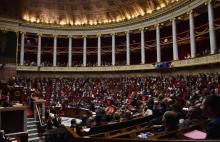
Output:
[[210, 59]]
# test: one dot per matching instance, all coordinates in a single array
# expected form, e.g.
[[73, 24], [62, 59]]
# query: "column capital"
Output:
[[173, 19], [141, 29], [55, 35], [17, 33], [98, 35], [69, 36], [22, 32], [113, 34], [84, 36], [157, 25], [191, 12], [39, 34], [126, 32], [209, 2]]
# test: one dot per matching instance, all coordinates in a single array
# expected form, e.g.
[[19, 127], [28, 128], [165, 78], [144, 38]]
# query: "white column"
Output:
[[55, 51], [22, 50], [99, 50], [128, 48], [113, 49], [175, 48], [70, 52], [158, 43], [142, 47], [192, 35], [211, 28], [17, 38], [39, 51], [84, 50]]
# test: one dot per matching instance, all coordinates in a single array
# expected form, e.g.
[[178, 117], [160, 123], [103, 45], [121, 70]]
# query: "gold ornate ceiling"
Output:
[[87, 12]]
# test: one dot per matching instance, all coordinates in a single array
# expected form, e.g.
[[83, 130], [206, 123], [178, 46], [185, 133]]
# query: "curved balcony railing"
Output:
[[210, 59]]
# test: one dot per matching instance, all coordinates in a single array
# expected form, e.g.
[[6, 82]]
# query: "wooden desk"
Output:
[[13, 119], [76, 112]]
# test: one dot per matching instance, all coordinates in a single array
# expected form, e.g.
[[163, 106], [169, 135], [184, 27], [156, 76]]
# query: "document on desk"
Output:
[[195, 134]]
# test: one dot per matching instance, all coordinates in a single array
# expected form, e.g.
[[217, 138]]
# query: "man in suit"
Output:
[[2, 136], [7, 102], [211, 108]]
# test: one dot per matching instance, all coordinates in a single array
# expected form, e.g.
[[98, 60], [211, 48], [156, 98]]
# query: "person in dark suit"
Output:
[[7, 102], [2, 136], [211, 108], [170, 121], [56, 121], [194, 116], [74, 126]]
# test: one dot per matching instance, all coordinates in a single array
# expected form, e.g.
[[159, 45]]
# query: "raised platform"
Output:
[[13, 119]]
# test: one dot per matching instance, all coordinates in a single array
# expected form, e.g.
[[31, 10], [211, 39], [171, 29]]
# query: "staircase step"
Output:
[[32, 135], [31, 122], [32, 126], [34, 130], [30, 119], [35, 139]]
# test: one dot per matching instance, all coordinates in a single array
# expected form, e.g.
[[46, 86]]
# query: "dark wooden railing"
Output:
[[129, 134], [19, 137], [95, 130]]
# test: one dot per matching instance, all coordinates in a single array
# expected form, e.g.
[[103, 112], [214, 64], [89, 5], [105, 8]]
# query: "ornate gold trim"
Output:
[[110, 25]]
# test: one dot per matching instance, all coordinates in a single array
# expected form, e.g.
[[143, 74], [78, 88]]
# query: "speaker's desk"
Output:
[[13, 119]]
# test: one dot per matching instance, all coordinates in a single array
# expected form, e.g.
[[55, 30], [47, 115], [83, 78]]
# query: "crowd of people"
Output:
[[47, 63], [62, 61], [179, 98]]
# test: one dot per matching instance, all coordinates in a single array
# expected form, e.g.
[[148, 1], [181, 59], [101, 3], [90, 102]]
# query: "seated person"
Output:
[[170, 122], [49, 121], [211, 108], [147, 111], [194, 115], [82, 127], [157, 118], [49, 124], [7, 102], [56, 121], [74, 126], [73, 123]]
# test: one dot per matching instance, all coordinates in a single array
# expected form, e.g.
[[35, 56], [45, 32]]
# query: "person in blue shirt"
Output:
[[211, 108]]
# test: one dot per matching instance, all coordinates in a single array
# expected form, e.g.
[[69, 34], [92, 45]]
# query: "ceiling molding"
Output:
[[178, 10]]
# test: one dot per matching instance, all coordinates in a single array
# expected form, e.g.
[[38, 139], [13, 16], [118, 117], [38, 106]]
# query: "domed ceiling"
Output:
[[82, 12]]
